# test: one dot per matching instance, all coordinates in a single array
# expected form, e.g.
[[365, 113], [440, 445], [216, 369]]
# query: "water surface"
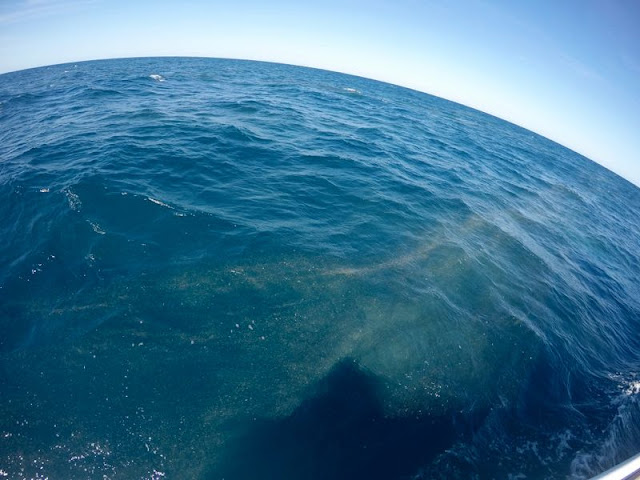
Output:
[[229, 269]]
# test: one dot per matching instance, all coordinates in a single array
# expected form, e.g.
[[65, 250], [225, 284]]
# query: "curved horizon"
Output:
[[339, 72], [570, 72]]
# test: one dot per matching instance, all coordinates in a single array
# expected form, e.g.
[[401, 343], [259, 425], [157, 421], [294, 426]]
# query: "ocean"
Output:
[[224, 269]]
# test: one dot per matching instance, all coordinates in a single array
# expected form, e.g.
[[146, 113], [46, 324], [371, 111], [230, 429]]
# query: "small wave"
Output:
[[352, 90], [156, 77], [158, 202]]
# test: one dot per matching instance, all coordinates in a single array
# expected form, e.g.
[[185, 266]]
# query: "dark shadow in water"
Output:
[[341, 432]]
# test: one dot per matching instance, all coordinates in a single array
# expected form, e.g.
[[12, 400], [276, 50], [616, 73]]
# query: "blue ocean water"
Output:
[[229, 269]]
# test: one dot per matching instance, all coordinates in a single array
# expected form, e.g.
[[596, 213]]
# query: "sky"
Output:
[[568, 70]]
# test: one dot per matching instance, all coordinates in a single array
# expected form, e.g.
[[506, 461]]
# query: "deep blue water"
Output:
[[227, 269]]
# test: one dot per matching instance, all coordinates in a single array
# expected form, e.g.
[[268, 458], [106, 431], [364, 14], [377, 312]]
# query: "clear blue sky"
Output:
[[569, 69]]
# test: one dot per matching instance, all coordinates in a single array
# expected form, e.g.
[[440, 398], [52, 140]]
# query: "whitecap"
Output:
[[156, 77], [632, 388], [352, 90], [158, 202]]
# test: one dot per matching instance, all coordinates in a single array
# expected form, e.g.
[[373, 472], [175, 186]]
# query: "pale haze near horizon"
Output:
[[567, 70]]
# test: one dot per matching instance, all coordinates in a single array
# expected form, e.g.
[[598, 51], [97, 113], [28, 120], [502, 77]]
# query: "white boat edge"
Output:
[[627, 470]]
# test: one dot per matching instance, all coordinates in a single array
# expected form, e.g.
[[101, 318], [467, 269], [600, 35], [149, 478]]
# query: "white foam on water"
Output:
[[74, 200], [96, 228], [618, 436], [156, 77], [632, 388], [158, 202]]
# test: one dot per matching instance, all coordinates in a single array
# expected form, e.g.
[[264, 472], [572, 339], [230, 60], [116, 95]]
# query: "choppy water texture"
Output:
[[223, 269]]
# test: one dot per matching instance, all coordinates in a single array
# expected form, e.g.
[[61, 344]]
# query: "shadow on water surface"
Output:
[[342, 432]]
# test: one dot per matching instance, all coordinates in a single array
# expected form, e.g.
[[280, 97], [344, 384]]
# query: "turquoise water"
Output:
[[229, 269]]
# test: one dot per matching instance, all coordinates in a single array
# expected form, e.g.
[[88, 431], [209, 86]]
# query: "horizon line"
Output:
[[413, 89]]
